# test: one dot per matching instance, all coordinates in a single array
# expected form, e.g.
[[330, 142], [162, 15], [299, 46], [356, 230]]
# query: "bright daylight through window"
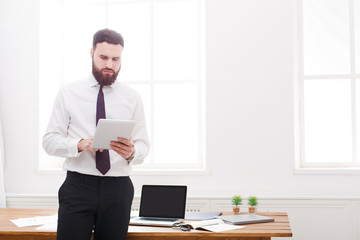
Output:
[[162, 59], [329, 83]]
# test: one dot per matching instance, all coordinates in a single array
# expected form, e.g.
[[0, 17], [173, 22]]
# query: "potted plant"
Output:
[[236, 200], [253, 202]]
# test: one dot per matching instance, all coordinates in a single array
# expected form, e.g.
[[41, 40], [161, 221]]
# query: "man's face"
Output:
[[106, 62]]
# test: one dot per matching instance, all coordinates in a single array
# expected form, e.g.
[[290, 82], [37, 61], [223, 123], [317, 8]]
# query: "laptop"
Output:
[[245, 219], [161, 205]]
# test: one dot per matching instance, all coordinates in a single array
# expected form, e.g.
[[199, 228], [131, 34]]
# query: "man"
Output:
[[97, 192]]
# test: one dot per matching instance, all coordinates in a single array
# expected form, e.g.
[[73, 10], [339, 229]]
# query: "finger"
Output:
[[127, 143], [121, 152], [124, 147], [113, 147], [121, 146], [124, 140], [124, 154], [114, 142]]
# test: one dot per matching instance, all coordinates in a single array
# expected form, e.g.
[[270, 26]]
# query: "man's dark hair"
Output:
[[109, 36]]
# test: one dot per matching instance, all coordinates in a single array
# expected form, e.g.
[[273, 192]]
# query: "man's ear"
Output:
[[91, 52]]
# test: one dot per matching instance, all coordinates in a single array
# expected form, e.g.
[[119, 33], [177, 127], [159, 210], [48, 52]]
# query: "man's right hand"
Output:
[[85, 145]]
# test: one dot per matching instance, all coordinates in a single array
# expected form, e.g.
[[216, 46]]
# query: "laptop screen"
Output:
[[163, 201]]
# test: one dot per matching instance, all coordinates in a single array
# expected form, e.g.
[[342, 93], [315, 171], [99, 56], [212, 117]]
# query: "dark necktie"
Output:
[[102, 158]]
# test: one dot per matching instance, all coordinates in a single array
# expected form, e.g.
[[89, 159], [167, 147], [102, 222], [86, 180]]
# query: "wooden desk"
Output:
[[259, 231]]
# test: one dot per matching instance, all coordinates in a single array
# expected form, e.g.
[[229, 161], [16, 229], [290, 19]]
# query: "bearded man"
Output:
[[97, 193]]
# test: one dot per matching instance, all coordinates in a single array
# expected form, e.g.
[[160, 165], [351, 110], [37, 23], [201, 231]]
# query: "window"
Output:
[[329, 83], [162, 59]]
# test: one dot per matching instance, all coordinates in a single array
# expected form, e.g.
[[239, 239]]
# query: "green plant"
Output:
[[236, 200], [253, 201]]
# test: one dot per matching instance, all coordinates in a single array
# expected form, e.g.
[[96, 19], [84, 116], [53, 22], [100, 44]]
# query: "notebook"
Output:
[[161, 205], [245, 219], [202, 215]]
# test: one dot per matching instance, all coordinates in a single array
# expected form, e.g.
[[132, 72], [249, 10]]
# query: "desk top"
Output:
[[279, 228]]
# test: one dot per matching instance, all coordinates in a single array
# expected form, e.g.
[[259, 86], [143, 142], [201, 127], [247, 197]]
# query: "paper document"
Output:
[[213, 225], [221, 227], [34, 221], [48, 227]]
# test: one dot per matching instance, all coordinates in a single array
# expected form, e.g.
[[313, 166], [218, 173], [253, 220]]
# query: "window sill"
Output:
[[169, 172], [142, 172], [327, 171]]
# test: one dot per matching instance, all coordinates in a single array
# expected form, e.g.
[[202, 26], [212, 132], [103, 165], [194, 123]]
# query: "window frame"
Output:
[[301, 166], [145, 169]]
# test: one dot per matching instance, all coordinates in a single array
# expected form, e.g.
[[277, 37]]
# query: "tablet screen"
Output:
[[109, 130]]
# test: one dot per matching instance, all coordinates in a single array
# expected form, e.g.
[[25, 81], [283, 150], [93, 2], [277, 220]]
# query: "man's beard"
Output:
[[104, 79]]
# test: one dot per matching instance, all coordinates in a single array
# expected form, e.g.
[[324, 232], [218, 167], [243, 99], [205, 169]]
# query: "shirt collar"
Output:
[[93, 82]]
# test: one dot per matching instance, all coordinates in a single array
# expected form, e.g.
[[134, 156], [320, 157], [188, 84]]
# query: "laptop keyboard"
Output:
[[158, 219], [151, 221]]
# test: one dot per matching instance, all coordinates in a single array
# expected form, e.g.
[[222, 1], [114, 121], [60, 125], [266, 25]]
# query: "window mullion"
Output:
[[152, 82], [301, 83], [353, 78]]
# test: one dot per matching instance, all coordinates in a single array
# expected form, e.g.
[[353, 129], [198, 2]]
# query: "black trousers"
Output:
[[88, 203]]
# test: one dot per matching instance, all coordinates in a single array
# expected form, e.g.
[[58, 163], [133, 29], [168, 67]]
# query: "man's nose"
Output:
[[109, 63]]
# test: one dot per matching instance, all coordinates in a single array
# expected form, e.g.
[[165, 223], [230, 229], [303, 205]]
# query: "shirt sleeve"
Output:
[[55, 140], [140, 136]]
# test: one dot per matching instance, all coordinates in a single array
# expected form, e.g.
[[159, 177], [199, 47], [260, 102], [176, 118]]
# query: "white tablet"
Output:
[[109, 130]]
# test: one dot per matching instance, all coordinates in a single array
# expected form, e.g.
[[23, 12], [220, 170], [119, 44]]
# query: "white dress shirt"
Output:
[[74, 118]]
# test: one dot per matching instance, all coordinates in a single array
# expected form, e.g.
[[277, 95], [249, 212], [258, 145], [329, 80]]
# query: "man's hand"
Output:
[[85, 145], [124, 147]]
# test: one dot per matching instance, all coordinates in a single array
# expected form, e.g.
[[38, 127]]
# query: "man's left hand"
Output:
[[123, 147]]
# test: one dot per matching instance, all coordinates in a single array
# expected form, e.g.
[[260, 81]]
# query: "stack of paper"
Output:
[[46, 222]]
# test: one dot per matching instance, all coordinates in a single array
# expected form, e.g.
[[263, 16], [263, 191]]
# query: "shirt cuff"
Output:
[[73, 147], [133, 155]]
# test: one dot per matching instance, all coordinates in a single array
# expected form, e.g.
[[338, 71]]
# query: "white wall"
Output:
[[249, 114]]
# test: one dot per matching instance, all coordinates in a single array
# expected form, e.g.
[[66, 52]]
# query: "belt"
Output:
[[93, 179]]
